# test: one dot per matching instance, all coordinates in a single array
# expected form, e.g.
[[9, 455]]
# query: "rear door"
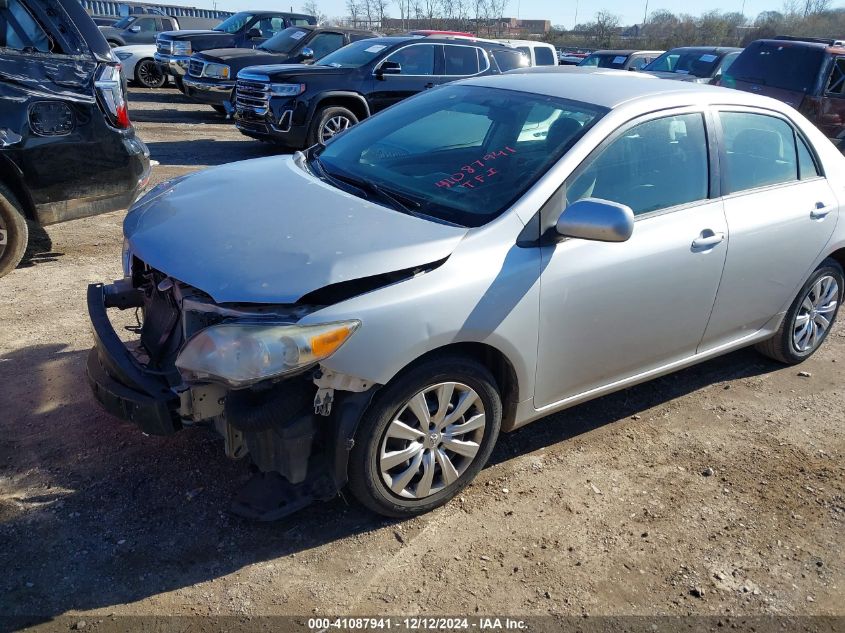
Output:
[[781, 212], [831, 111]]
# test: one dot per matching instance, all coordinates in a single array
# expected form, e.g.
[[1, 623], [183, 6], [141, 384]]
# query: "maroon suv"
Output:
[[806, 73]]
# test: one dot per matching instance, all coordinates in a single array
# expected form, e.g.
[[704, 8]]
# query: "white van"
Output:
[[540, 53]]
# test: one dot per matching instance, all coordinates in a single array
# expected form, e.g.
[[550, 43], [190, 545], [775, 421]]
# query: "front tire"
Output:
[[148, 74], [329, 122], [428, 433], [14, 232], [810, 317]]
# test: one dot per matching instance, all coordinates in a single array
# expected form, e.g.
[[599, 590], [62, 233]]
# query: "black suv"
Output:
[[246, 29], [211, 74], [298, 106], [67, 147]]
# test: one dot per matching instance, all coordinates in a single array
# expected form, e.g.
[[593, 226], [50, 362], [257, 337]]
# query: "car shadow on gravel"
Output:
[[622, 405], [102, 515], [209, 151], [39, 248]]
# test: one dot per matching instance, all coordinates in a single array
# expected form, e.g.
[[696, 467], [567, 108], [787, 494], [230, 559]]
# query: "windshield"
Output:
[[605, 60], [234, 23], [701, 63], [285, 41], [353, 55], [782, 65], [123, 23], [458, 154]]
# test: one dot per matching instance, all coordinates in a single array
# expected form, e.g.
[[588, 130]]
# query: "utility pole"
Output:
[[576, 14], [645, 13]]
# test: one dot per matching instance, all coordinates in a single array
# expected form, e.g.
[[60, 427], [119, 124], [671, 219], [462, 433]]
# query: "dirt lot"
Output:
[[719, 490]]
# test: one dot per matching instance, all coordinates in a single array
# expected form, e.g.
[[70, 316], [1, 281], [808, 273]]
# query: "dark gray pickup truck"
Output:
[[144, 28]]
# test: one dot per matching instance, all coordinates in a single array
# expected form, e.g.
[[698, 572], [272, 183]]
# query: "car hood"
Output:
[[240, 57], [679, 77], [790, 97], [274, 71], [266, 231], [136, 49]]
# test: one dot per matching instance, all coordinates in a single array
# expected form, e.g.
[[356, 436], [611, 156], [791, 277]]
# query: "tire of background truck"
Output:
[[219, 109], [179, 84], [14, 232], [426, 435], [114, 44], [148, 75], [329, 121], [810, 317]]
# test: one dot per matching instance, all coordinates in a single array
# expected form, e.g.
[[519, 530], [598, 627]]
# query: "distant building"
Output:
[[502, 27]]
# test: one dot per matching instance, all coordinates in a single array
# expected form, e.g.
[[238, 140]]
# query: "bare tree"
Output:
[[353, 7], [310, 7], [605, 27]]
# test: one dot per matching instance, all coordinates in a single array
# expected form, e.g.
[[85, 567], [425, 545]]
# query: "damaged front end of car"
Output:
[[250, 371]]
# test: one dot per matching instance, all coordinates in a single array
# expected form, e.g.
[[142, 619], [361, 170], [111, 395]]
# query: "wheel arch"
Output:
[[11, 176], [490, 357], [839, 256], [351, 100]]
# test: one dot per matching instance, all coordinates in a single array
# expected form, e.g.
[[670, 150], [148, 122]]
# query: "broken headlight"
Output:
[[242, 354]]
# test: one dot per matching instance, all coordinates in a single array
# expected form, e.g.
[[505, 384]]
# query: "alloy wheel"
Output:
[[149, 74], [432, 440], [334, 125], [815, 315]]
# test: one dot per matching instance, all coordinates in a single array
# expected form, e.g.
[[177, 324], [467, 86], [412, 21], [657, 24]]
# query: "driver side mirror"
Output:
[[254, 34], [389, 68], [597, 220], [134, 29], [306, 53]]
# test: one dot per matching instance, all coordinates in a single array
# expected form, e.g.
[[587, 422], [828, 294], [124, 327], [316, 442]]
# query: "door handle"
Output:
[[707, 239], [820, 212]]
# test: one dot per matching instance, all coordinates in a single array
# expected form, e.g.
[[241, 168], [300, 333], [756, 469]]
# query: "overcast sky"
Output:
[[558, 11]]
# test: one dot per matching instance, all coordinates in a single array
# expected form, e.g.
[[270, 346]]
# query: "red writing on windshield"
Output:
[[475, 173]]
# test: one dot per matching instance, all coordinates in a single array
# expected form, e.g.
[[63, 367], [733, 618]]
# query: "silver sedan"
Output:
[[374, 311]]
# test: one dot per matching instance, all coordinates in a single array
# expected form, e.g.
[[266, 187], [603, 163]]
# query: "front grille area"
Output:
[[164, 47], [195, 68], [253, 96]]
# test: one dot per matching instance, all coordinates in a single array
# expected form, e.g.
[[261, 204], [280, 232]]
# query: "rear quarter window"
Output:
[[544, 56]]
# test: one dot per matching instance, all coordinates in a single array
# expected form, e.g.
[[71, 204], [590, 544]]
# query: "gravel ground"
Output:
[[718, 490]]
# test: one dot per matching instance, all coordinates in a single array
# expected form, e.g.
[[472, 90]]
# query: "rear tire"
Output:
[[443, 454], [14, 232], [148, 74], [328, 122], [803, 329]]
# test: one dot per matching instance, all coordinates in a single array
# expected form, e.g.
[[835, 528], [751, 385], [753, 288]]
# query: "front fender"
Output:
[[337, 94]]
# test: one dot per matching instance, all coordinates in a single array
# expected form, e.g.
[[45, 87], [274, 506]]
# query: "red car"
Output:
[[806, 73]]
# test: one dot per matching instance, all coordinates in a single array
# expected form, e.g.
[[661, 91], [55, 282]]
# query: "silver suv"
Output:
[[374, 311]]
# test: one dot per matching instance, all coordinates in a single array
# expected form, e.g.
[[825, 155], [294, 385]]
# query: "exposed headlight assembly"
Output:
[[217, 71], [287, 90], [242, 354], [180, 48]]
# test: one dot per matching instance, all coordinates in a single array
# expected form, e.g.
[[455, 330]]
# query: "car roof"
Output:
[[525, 42], [610, 88], [620, 51], [708, 49], [796, 43]]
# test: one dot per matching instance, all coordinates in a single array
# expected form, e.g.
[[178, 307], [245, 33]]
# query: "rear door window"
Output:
[[461, 60], [760, 151]]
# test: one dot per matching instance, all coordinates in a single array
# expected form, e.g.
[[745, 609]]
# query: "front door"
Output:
[[610, 311], [418, 71], [780, 212]]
